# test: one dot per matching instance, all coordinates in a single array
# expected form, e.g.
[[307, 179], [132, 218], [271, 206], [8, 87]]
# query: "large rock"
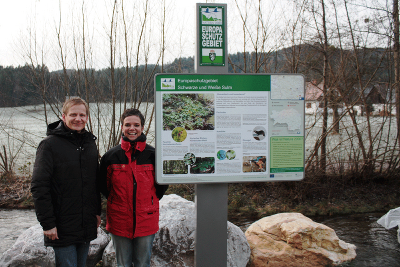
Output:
[[291, 239], [29, 250], [174, 243], [97, 247], [109, 256]]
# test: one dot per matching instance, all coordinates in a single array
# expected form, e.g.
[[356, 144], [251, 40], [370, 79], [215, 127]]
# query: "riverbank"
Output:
[[314, 196], [15, 192]]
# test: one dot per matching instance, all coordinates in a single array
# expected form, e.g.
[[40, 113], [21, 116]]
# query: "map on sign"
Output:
[[287, 87], [290, 117]]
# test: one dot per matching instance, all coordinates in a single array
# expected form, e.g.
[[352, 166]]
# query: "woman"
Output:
[[127, 181]]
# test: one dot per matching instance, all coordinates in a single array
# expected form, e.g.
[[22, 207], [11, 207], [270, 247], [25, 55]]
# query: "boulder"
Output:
[[109, 256], [97, 247], [291, 239], [29, 250], [174, 243]]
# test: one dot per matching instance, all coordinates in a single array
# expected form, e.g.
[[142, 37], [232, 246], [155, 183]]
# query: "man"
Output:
[[64, 185], [127, 181]]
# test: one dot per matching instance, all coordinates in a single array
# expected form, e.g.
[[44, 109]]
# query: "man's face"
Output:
[[132, 127], [76, 118]]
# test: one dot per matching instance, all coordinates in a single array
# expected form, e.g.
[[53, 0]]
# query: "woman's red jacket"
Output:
[[127, 180]]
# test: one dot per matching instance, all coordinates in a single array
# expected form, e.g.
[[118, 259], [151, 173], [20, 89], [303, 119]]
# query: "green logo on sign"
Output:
[[168, 83], [212, 16]]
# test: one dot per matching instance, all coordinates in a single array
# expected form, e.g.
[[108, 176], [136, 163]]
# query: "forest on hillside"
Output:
[[27, 85], [24, 85]]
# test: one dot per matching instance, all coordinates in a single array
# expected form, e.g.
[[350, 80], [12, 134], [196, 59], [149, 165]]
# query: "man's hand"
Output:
[[51, 234], [98, 220]]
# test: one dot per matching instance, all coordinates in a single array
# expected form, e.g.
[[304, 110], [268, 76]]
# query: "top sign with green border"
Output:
[[212, 35]]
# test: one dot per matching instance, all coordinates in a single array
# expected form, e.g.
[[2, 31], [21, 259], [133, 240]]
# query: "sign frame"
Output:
[[212, 39], [237, 83]]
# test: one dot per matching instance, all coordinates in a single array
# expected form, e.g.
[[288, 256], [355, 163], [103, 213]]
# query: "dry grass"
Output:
[[15, 191], [315, 195]]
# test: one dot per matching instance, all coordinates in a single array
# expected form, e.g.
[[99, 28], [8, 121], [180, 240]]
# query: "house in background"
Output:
[[314, 97], [379, 100], [383, 100]]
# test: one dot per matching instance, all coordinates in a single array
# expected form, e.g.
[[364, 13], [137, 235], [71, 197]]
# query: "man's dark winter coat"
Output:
[[64, 186]]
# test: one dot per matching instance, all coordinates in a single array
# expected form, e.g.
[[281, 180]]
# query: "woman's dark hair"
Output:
[[132, 112]]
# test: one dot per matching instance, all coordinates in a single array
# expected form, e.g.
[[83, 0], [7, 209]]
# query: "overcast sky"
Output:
[[18, 16], [21, 21], [15, 18]]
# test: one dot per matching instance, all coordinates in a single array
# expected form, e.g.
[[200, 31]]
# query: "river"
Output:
[[22, 128], [376, 246], [12, 224]]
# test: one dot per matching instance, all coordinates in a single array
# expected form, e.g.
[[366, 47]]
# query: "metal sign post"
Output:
[[211, 199]]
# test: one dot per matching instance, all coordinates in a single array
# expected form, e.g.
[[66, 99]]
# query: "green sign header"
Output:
[[213, 82]]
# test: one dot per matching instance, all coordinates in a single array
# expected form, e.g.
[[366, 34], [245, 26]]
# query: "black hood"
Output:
[[59, 128], [56, 128]]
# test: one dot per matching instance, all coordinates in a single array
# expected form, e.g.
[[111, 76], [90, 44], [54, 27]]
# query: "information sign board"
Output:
[[212, 35], [219, 128]]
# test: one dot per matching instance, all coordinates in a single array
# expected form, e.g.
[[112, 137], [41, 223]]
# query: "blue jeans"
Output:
[[72, 256], [136, 251]]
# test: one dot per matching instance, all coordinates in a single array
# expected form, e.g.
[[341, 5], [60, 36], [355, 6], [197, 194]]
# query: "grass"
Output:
[[15, 191]]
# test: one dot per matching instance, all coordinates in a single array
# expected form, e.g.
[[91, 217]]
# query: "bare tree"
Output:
[[396, 58]]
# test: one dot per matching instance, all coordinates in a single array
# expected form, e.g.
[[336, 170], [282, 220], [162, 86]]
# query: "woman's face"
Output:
[[132, 127]]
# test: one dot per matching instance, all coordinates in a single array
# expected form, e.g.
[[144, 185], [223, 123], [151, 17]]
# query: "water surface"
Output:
[[376, 246], [12, 224]]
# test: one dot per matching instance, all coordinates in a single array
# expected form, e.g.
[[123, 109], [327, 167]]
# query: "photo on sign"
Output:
[[203, 165], [230, 154], [189, 158], [174, 167], [221, 154], [259, 133], [179, 134], [254, 163], [188, 111]]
